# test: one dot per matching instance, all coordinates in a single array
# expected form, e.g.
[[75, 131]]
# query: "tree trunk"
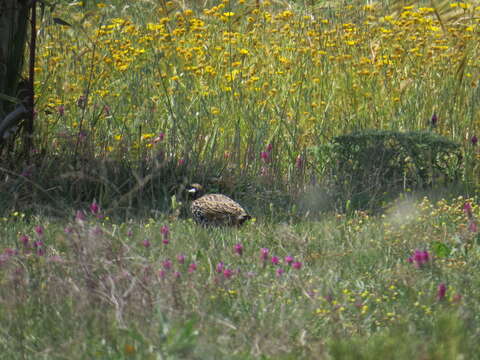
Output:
[[13, 36]]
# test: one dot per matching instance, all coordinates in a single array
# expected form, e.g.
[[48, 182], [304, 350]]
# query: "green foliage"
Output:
[[369, 167], [97, 291], [440, 249]]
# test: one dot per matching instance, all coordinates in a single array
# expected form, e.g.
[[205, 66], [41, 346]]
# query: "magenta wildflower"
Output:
[[129, 233], [275, 260], [264, 254], [39, 230], [192, 267], [419, 258], [441, 291], [24, 239], [39, 246], [474, 140], [297, 265], [167, 264], [146, 243], [165, 231], [289, 259], [161, 274], [227, 273], [181, 258], [467, 209], [80, 216], [264, 156], [181, 162], [220, 267], [238, 248], [68, 230], [94, 208], [177, 274], [434, 120], [279, 271]]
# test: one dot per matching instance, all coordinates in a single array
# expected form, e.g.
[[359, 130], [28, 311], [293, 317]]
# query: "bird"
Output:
[[215, 209]]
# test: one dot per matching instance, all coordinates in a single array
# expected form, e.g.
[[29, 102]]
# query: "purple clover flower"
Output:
[[467, 209], [227, 273], [238, 248], [289, 260], [39, 230], [434, 120], [220, 267], [264, 254], [297, 265], [165, 231], [441, 291], [94, 208], [264, 156], [419, 258], [24, 239]]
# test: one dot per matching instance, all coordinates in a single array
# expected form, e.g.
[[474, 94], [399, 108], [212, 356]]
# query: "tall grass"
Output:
[[340, 288], [138, 99], [202, 91]]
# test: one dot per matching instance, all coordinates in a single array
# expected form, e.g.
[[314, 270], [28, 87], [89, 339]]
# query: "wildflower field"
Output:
[[135, 100]]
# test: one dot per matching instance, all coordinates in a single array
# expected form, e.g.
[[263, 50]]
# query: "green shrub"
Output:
[[369, 167]]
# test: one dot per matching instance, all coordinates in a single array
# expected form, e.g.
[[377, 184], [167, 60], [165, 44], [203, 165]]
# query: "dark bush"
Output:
[[370, 167]]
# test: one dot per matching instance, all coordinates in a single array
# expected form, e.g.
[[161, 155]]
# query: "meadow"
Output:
[[136, 100]]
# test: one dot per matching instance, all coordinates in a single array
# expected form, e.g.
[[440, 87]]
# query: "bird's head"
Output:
[[195, 191]]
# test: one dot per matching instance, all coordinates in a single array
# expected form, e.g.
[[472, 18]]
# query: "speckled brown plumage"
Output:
[[216, 209]]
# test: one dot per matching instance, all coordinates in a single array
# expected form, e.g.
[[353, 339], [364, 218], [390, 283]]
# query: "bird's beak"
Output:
[[192, 191]]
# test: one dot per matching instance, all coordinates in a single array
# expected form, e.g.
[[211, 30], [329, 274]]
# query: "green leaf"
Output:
[[440, 249]]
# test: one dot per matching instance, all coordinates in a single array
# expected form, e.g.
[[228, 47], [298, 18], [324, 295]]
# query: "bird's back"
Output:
[[218, 209]]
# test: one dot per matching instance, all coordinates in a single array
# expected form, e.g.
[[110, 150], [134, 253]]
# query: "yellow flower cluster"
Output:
[[301, 75]]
